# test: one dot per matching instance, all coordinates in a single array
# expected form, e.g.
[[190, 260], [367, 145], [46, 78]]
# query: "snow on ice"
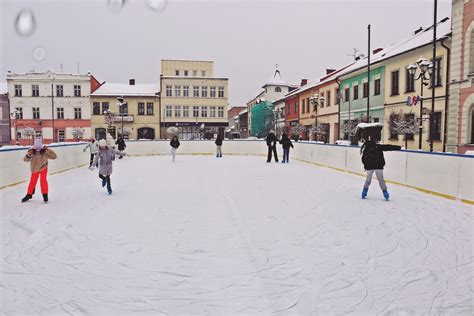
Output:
[[195, 237]]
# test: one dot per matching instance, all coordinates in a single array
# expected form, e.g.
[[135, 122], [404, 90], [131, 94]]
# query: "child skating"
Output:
[[286, 144], [174, 143], [374, 162], [38, 157], [93, 148], [105, 156], [218, 143]]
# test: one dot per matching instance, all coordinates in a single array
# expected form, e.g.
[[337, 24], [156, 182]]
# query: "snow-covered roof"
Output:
[[125, 89], [3, 88], [366, 125], [243, 112], [420, 39]]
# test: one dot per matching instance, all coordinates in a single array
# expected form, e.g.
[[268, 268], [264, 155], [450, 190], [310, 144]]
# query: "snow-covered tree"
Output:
[[77, 133], [298, 130], [349, 128], [403, 124], [319, 131]]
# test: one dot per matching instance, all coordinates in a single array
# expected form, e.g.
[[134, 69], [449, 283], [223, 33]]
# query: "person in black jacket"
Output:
[[174, 143], [286, 144], [374, 161], [219, 146], [271, 143], [120, 145]]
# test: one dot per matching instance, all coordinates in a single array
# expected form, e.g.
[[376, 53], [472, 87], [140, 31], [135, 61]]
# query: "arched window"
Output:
[[277, 89], [146, 133], [99, 133]]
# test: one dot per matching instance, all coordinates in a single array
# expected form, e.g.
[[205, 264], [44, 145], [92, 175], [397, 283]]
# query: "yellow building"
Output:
[[401, 86], [193, 99], [141, 115]]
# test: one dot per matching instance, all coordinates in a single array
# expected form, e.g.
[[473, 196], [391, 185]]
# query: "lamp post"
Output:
[[426, 69], [121, 106], [316, 100], [276, 114]]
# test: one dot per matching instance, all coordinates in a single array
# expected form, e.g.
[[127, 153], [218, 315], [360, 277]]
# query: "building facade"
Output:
[[234, 119], [243, 124], [5, 136], [193, 99], [50, 105], [460, 132], [140, 116]]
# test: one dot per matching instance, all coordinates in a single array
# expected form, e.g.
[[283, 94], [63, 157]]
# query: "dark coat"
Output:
[[219, 141], [372, 155], [120, 144], [174, 143], [286, 142], [271, 140]]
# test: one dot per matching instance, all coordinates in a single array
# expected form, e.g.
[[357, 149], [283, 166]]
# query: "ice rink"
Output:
[[232, 236]]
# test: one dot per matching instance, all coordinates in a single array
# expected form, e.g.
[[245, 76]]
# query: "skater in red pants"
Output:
[[38, 157]]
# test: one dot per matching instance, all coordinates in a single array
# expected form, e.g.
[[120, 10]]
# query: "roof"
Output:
[[125, 89], [420, 39], [3, 88]]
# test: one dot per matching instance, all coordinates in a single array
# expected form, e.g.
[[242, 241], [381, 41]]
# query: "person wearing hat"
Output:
[[93, 148], [38, 157], [105, 156], [271, 143]]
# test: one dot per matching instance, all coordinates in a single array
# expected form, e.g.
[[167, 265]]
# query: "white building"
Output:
[[55, 105]]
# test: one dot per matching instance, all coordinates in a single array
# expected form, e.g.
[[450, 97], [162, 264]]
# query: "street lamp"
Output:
[[122, 104], [316, 100], [426, 71], [276, 114]]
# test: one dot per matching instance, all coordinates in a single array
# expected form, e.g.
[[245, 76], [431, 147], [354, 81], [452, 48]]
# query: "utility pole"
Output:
[[368, 77], [434, 77]]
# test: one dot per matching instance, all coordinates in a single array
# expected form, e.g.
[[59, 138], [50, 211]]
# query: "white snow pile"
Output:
[[191, 237], [368, 125]]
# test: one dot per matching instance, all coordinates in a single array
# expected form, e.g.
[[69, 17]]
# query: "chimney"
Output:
[[330, 71], [131, 82], [375, 51], [304, 82]]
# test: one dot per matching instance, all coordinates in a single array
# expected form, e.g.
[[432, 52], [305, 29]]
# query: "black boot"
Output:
[[45, 198], [26, 198]]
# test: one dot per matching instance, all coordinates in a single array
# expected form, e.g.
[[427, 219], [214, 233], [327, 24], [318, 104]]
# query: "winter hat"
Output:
[[103, 143], [272, 131], [38, 145]]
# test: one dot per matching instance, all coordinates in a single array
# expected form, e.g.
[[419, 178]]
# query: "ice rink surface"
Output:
[[232, 236]]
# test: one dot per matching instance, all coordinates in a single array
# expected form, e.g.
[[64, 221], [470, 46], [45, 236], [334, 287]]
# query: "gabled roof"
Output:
[[124, 89]]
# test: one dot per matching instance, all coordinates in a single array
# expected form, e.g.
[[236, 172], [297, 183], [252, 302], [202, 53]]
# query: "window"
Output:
[[123, 109], [36, 113], [287, 109], [19, 113], [60, 113], [195, 111], [196, 91], [105, 107], [435, 127], [186, 73], [277, 89], [409, 82], [213, 92], [185, 111], [169, 110], [212, 111], [77, 90], [195, 73], [410, 119], [77, 114], [204, 111], [347, 93], [186, 91], [395, 86], [295, 107], [204, 91], [18, 90], [59, 90], [141, 108], [149, 108], [303, 105], [221, 92], [393, 118], [176, 72], [203, 73], [177, 91], [377, 87], [169, 91], [439, 74], [35, 90], [220, 112], [365, 89], [337, 97], [376, 120], [96, 108], [177, 111], [328, 98], [356, 92], [307, 105]]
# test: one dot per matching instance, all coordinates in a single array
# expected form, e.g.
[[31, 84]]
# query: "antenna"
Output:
[[78, 68], [355, 53]]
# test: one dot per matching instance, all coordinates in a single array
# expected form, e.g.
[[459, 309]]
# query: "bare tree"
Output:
[[349, 128], [320, 131], [403, 124], [298, 129], [77, 133]]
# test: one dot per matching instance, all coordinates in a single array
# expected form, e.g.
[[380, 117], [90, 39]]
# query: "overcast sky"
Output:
[[245, 39]]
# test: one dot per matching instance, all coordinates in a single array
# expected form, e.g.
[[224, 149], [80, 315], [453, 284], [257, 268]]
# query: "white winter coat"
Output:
[[93, 147]]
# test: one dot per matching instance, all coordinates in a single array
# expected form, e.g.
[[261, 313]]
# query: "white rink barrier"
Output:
[[447, 175]]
